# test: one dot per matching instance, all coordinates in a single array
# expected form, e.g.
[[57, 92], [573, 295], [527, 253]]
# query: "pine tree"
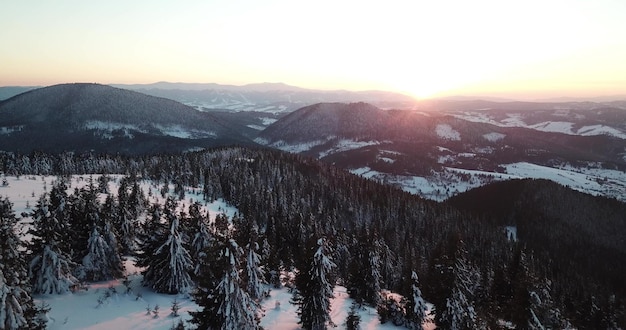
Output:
[[125, 223], [50, 268], [314, 290], [169, 266], [84, 214], [238, 309], [415, 305], [198, 231], [102, 262], [364, 278], [60, 209], [16, 303], [254, 276], [224, 304], [459, 311], [152, 228]]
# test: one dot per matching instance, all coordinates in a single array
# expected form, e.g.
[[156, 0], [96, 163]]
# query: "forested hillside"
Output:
[[377, 236]]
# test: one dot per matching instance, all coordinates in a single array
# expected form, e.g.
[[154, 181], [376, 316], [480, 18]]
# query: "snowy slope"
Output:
[[118, 305], [451, 181], [516, 119]]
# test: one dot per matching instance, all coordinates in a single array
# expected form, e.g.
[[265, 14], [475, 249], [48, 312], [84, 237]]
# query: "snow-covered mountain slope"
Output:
[[85, 117], [437, 155], [265, 97], [116, 304], [595, 119]]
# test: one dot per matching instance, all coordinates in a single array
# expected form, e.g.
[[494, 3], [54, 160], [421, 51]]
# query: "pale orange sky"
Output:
[[521, 49]]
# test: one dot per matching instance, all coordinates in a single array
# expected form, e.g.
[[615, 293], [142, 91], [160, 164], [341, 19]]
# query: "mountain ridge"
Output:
[[107, 117]]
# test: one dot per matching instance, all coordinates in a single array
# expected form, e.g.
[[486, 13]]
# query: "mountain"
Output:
[[10, 91], [583, 233], [440, 153], [86, 117], [264, 97]]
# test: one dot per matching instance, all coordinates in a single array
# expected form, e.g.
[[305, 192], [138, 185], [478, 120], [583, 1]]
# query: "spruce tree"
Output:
[[254, 274], [238, 309], [415, 306], [314, 290], [169, 266], [459, 312], [50, 268], [16, 304], [102, 261], [125, 223], [198, 231], [365, 278], [224, 304]]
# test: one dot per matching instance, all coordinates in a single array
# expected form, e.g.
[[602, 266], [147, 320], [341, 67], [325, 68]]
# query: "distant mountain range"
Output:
[[92, 117], [437, 149], [263, 97]]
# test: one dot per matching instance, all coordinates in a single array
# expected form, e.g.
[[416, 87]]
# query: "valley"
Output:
[[502, 212]]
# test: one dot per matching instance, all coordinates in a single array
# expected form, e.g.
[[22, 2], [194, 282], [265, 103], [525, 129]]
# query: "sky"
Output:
[[516, 49]]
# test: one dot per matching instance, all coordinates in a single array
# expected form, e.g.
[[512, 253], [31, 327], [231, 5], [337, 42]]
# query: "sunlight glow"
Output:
[[425, 48]]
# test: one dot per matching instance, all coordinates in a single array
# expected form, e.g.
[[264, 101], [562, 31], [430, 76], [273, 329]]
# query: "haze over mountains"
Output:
[[441, 148], [515, 235]]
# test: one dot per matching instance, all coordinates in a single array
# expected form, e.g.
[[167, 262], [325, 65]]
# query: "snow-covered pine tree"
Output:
[[50, 268], [224, 304], [169, 266], [16, 304], [459, 312], [102, 261], [115, 261], [198, 231], [415, 307], [313, 289], [147, 238], [209, 271], [254, 274], [238, 309], [125, 223], [60, 210], [365, 271], [84, 214]]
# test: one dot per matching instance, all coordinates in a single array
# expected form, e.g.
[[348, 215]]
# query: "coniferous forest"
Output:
[[328, 227]]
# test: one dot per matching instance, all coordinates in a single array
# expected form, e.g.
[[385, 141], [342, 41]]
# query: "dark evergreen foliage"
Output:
[[166, 255], [50, 268], [567, 240], [17, 310], [314, 287]]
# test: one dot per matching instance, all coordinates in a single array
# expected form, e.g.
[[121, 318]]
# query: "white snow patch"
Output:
[[515, 120], [345, 145], [446, 131], [555, 127], [494, 136], [184, 133], [262, 141], [10, 129], [256, 127], [107, 128], [295, 147], [511, 233], [577, 181], [268, 121], [600, 130]]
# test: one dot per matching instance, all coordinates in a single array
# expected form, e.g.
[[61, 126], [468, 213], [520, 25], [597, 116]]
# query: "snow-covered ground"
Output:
[[446, 132], [117, 304], [451, 181], [516, 120]]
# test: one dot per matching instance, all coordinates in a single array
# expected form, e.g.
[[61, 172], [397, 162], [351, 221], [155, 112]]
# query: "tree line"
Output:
[[363, 235]]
